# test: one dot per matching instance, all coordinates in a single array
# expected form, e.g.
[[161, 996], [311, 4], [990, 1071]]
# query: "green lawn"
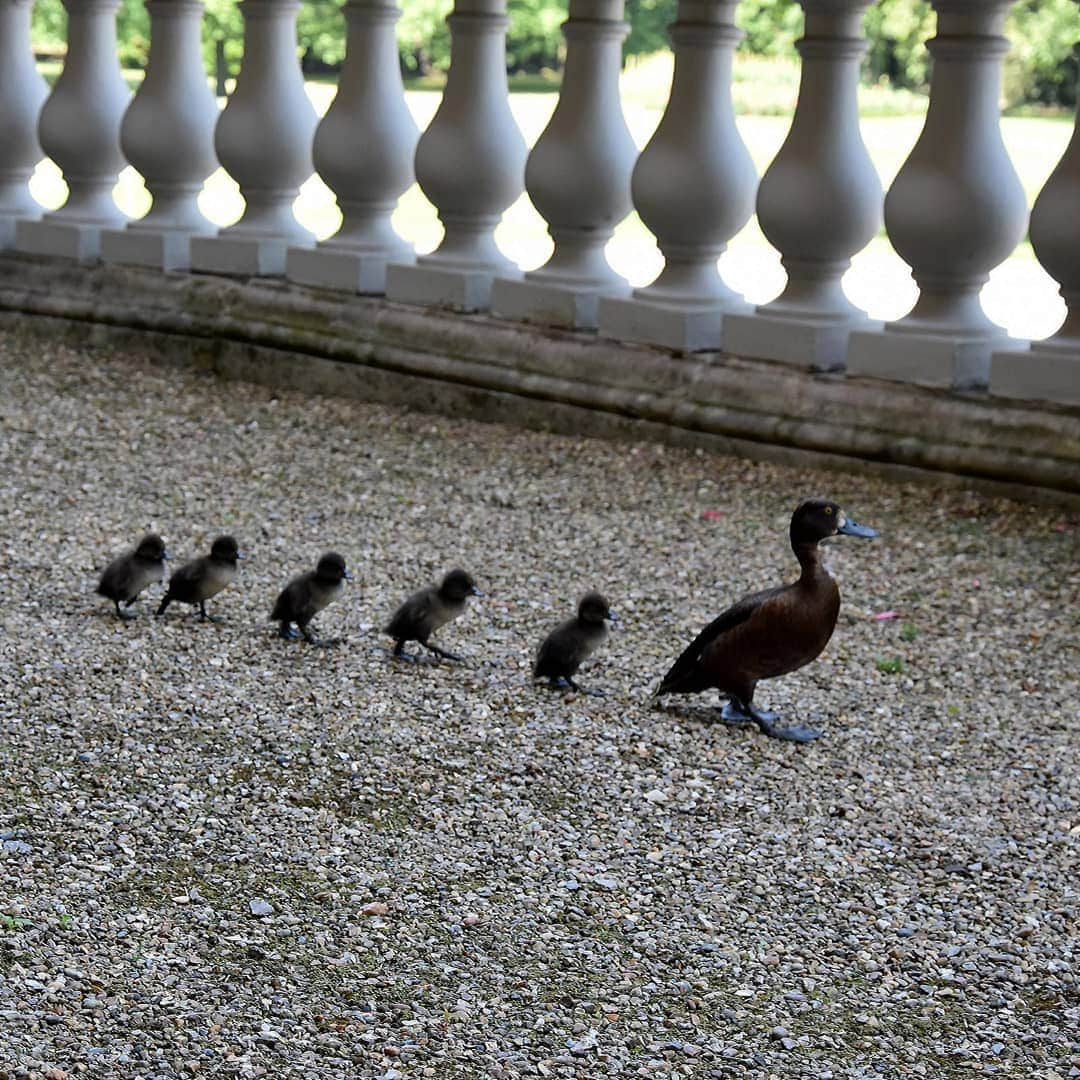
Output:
[[891, 123]]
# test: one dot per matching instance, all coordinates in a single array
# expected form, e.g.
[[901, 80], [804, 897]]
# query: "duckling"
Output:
[[770, 633], [425, 611], [196, 581], [567, 647], [126, 576], [305, 596]]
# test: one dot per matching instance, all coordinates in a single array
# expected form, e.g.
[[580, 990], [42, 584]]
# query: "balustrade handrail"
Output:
[[953, 213]]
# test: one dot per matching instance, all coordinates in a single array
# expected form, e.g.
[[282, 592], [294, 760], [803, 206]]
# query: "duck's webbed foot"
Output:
[[288, 632], [795, 733], [738, 712], [399, 653], [123, 613]]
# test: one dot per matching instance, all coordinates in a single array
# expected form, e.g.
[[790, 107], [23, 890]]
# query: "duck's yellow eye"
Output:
[[828, 510]]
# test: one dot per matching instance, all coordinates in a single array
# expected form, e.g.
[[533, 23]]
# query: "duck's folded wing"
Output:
[[686, 675]]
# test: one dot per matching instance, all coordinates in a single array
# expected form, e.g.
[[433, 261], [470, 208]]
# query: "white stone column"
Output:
[[263, 138], [818, 204], [364, 150], [79, 128], [955, 210], [578, 177], [22, 93], [168, 135], [1050, 369], [470, 163], [693, 186]]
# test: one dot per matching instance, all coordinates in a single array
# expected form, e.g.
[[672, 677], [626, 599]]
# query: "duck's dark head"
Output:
[[152, 548], [331, 568], [817, 519], [594, 609], [225, 549], [457, 585]]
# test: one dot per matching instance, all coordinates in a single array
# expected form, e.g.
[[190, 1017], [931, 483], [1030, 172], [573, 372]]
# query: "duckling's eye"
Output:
[[828, 510]]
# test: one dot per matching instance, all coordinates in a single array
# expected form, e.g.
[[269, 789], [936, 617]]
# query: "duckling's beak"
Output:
[[165, 556], [853, 528], [241, 554], [612, 617], [475, 591], [348, 576]]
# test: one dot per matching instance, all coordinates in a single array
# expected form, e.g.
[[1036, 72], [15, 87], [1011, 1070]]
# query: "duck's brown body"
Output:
[[769, 633], [762, 636]]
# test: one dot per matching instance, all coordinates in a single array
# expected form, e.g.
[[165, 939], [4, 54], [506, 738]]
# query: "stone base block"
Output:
[[938, 360], [438, 286], [814, 345], [246, 256], [1038, 374], [169, 249], [684, 329], [547, 304], [350, 271], [63, 239], [8, 223]]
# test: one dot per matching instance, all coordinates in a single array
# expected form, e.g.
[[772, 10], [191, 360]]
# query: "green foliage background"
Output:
[[1043, 66]]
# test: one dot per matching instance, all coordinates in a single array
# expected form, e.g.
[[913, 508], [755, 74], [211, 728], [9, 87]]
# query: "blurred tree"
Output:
[[1043, 66]]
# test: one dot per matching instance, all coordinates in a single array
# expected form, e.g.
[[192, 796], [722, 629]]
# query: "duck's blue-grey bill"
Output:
[[853, 528]]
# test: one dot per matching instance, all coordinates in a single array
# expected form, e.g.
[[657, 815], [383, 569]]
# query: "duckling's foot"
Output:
[[124, 614], [441, 652], [559, 682], [564, 682], [288, 632]]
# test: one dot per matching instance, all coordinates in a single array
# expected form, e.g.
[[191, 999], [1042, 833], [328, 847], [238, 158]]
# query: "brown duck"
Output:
[[770, 633]]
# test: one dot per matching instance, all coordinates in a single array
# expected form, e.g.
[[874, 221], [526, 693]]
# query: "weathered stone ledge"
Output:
[[271, 332]]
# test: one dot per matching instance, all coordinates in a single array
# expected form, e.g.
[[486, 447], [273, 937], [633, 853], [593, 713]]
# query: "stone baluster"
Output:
[[819, 202], [1050, 370], [955, 210], [22, 93], [168, 135], [364, 150], [263, 138], [79, 128], [693, 186], [470, 163], [578, 177]]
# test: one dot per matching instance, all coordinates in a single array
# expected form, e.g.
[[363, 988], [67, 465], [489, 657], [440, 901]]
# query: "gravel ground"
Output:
[[228, 855]]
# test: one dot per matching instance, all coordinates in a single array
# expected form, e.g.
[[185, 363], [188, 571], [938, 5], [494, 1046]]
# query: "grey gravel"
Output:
[[229, 855]]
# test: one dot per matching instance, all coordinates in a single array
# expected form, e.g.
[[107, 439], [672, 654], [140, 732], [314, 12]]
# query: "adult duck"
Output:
[[770, 633]]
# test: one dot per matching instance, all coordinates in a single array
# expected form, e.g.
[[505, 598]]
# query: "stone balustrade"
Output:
[[954, 212]]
